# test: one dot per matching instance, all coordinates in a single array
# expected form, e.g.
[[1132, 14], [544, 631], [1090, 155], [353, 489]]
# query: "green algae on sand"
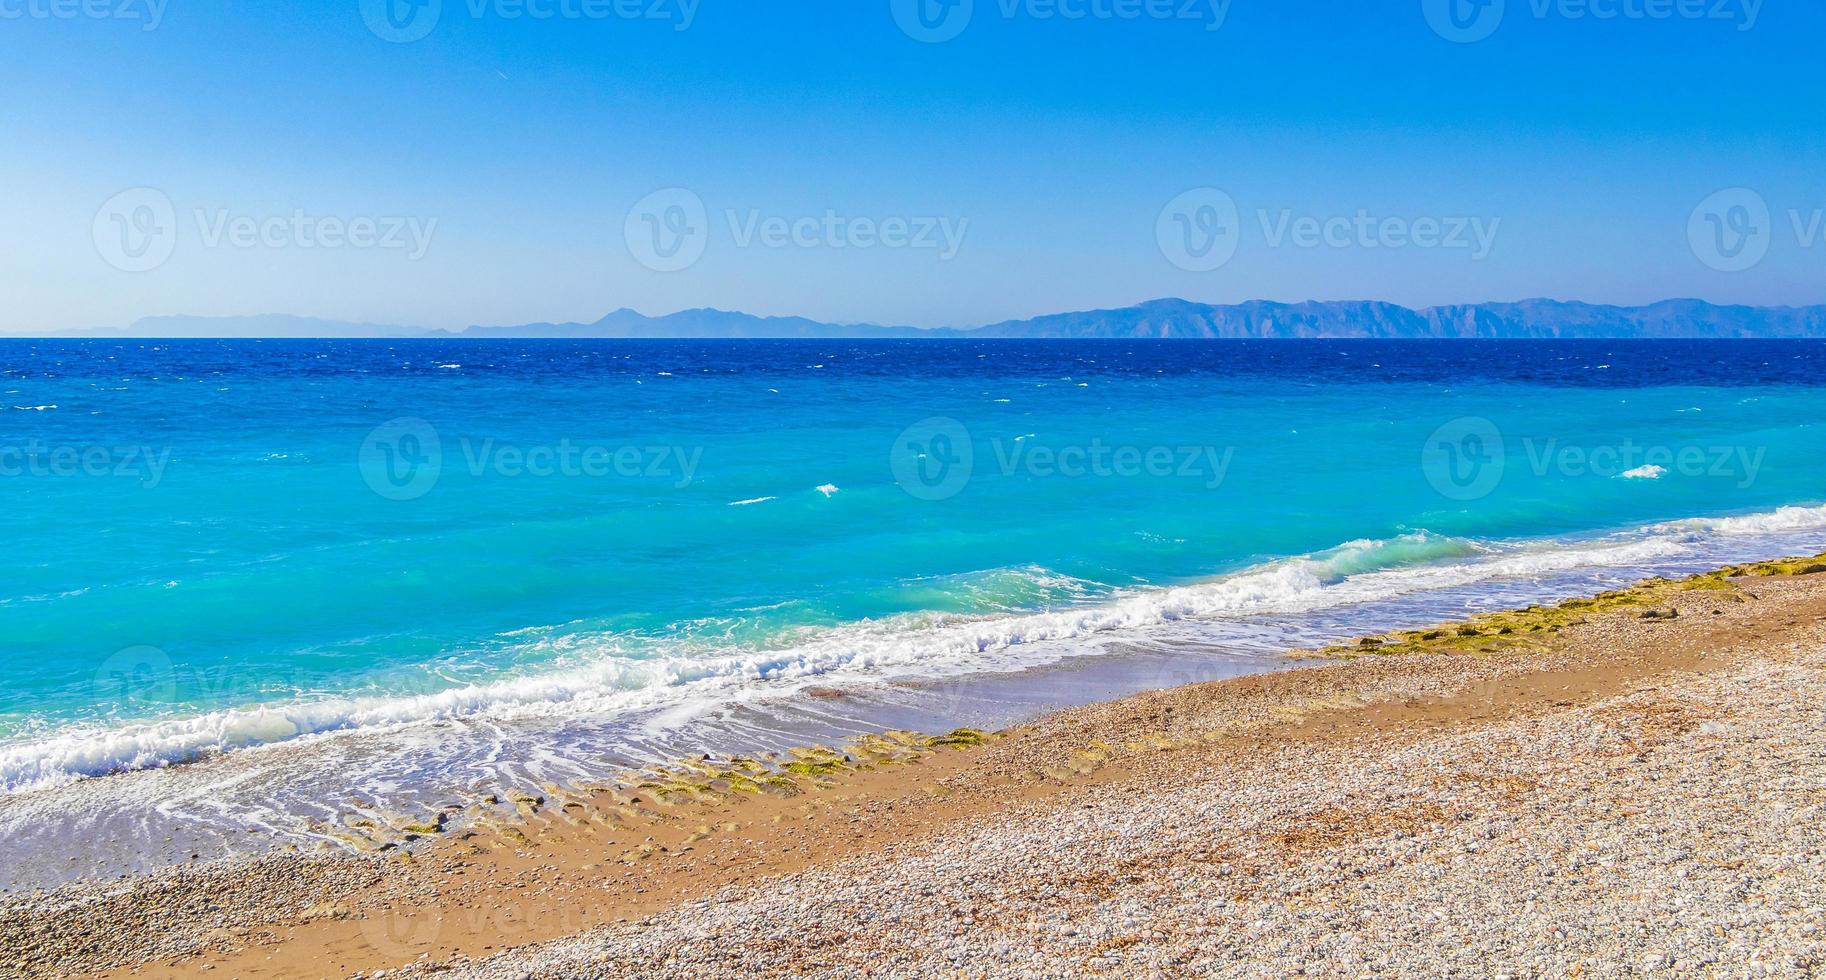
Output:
[[1519, 630]]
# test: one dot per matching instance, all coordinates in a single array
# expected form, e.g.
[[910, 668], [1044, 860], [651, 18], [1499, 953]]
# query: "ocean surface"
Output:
[[398, 569]]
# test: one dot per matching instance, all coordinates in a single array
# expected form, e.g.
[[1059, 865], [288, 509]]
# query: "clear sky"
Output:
[[898, 161]]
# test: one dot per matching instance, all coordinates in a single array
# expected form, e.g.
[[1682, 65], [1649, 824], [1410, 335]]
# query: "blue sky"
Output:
[[816, 158]]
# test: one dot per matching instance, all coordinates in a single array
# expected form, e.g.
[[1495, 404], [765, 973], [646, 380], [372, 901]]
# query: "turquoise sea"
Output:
[[255, 548]]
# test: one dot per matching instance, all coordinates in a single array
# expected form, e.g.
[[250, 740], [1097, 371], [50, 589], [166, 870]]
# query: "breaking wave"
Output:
[[927, 643]]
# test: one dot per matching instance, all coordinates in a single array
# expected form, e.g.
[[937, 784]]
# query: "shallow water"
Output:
[[395, 570]]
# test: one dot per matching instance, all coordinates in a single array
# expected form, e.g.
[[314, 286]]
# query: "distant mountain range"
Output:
[[701, 324], [1175, 319], [1161, 319]]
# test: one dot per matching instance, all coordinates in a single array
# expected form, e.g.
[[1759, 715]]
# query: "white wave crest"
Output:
[[1794, 518], [932, 644]]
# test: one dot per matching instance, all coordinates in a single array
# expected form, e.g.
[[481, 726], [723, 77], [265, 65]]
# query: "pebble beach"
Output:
[[1634, 788]]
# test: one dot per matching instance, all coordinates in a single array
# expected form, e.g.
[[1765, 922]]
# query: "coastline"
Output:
[[266, 791], [1215, 826]]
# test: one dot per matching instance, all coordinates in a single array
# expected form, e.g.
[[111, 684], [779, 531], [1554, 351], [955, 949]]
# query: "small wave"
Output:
[[751, 500], [1649, 472], [33, 408], [1366, 555], [929, 643], [770, 606], [1792, 518], [828, 489]]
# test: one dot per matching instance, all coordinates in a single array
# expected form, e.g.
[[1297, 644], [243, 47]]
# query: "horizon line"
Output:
[[468, 331]]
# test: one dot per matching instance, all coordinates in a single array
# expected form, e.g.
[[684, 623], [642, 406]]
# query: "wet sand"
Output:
[[1567, 789]]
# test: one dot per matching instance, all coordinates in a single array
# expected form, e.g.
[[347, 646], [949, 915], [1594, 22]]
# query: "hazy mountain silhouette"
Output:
[[1160, 319]]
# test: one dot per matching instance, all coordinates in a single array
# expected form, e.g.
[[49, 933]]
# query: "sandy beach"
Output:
[[591, 489], [1628, 783]]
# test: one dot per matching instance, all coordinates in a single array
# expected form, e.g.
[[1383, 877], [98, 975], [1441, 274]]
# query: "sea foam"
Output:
[[928, 644]]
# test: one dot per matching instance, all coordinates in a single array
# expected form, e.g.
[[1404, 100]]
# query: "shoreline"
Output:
[[653, 857], [298, 794]]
